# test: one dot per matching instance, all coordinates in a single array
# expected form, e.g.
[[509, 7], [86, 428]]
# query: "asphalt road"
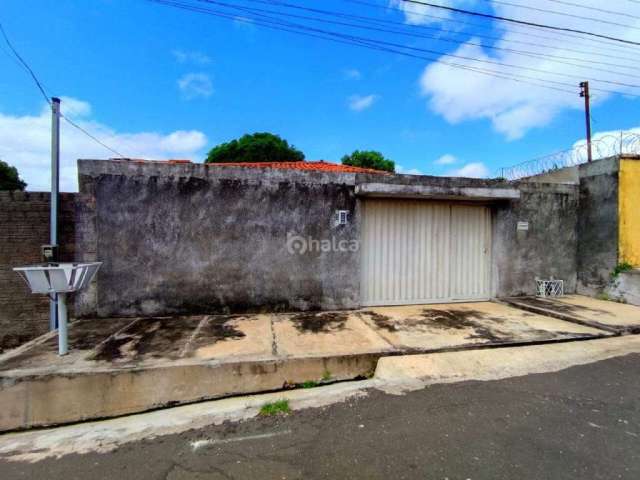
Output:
[[581, 423]]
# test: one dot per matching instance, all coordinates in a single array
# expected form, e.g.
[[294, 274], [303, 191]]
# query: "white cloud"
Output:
[[416, 14], [472, 170], [410, 171], [195, 85], [352, 74], [184, 56], [243, 22], [358, 103], [446, 159], [25, 142], [515, 107]]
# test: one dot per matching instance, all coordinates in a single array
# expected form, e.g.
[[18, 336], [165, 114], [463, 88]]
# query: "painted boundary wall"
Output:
[[629, 212]]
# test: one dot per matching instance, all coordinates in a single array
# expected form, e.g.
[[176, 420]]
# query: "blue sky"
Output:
[[155, 80]]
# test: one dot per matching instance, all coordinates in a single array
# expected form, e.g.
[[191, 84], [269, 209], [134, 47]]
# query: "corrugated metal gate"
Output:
[[416, 251]]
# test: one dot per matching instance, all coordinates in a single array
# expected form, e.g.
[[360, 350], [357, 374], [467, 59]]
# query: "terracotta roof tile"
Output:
[[321, 166], [317, 166]]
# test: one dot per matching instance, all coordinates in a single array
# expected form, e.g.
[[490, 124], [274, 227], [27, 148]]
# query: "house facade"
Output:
[[179, 238]]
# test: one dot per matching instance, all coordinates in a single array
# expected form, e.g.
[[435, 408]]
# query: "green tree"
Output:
[[9, 178], [257, 147], [369, 159]]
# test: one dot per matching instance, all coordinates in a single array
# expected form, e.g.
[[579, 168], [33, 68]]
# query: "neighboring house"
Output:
[[608, 227]]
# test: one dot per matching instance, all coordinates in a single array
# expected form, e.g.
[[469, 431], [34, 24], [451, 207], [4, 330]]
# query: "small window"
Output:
[[342, 217]]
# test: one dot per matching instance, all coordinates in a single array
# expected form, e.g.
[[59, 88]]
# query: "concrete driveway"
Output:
[[119, 366], [455, 325]]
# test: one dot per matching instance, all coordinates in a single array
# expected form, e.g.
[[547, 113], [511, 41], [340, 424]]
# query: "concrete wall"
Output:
[[625, 287], [561, 175], [191, 238], [24, 227], [597, 225], [547, 249], [629, 223]]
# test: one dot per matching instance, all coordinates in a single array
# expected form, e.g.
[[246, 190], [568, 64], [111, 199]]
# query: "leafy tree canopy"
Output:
[[9, 178], [369, 159], [257, 147]]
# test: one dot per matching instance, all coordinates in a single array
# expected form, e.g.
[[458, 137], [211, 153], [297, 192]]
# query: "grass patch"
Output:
[[326, 376], [309, 384], [275, 408], [620, 268]]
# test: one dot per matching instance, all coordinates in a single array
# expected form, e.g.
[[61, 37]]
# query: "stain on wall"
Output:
[[219, 243], [597, 225]]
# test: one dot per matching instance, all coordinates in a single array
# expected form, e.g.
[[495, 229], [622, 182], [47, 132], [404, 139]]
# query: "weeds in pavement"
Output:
[[275, 408]]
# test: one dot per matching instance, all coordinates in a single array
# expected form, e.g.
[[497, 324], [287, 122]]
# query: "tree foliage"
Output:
[[9, 178], [369, 159], [257, 147]]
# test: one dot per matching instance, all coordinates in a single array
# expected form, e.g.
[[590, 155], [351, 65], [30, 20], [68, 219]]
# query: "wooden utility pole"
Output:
[[584, 92]]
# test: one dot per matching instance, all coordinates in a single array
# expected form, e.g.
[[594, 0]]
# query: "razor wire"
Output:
[[603, 146]]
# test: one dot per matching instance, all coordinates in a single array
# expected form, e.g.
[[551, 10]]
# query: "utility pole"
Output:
[[584, 92], [54, 200]]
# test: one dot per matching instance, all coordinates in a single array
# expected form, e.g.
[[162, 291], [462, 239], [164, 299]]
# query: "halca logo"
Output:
[[297, 244]]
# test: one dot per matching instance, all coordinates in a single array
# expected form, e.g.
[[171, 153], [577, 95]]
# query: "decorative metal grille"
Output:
[[549, 288]]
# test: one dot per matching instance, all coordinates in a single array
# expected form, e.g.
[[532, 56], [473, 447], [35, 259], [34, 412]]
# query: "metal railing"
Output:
[[602, 146]]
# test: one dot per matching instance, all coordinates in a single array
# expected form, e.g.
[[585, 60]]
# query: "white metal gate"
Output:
[[416, 251]]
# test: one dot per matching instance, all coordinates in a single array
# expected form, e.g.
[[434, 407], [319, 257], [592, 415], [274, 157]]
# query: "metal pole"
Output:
[[584, 92], [55, 183], [62, 324]]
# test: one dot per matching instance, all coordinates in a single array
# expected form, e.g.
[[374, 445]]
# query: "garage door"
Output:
[[416, 251]]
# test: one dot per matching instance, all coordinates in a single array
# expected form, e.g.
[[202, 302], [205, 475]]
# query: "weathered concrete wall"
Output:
[[625, 287], [547, 249], [597, 225], [24, 227], [189, 238], [562, 175]]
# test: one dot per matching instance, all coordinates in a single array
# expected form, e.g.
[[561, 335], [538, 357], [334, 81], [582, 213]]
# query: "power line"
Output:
[[435, 52], [522, 22], [47, 98], [595, 9], [33, 75], [368, 19], [375, 45], [563, 14], [554, 58], [612, 45], [372, 46], [72, 123]]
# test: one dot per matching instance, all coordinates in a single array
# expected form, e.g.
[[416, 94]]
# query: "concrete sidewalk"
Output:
[[120, 366], [615, 317]]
